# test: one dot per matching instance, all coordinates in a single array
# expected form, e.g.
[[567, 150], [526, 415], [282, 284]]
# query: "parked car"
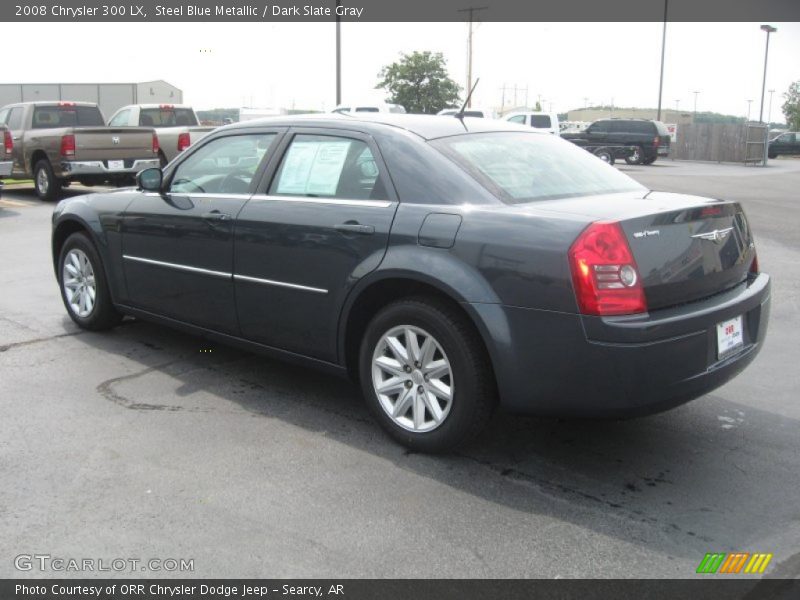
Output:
[[544, 122], [493, 265], [56, 143], [481, 113], [369, 107], [176, 125], [5, 154], [650, 138], [786, 144]]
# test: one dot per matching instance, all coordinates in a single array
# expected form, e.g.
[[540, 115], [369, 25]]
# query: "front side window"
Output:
[[120, 119], [523, 167], [223, 166], [15, 118], [599, 127], [328, 167], [370, 109]]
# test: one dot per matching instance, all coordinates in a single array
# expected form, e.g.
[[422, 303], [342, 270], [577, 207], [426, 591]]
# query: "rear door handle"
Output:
[[355, 228], [216, 215]]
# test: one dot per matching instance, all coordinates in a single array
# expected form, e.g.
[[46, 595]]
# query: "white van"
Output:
[[368, 107], [540, 121]]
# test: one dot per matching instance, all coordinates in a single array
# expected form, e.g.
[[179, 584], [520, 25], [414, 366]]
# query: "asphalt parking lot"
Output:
[[147, 443]]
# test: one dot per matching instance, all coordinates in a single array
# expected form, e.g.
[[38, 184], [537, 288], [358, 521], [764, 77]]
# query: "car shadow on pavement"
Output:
[[712, 475]]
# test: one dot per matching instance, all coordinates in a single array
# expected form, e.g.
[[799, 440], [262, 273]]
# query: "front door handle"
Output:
[[216, 215], [353, 227]]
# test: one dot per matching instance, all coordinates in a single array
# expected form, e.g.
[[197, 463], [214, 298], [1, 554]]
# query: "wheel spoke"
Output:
[[433, 406], [71, 269], [402, 404], [426, 352], [436, 369], [440, 389], [397, 348], [412, 345], [391, 385], [419, 411], [390, 365]]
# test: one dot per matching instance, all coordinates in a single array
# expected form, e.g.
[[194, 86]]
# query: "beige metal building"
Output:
[[109, 96]]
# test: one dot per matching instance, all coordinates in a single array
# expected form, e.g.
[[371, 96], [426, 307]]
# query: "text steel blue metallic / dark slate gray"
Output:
[[447, 264]]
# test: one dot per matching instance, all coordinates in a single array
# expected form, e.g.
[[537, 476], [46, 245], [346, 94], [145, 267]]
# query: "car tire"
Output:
[[47, 186], [81, 276], [452, 375], [649, 161], [770, 155], [637, 157]]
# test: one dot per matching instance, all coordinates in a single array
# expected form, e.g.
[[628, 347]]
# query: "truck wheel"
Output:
[[84, 289], [605, 155], [425, 375], [649, 161], [771, 155], [44, 180], [635, 158]]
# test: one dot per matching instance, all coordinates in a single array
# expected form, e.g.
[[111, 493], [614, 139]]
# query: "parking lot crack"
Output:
[[7, 347]]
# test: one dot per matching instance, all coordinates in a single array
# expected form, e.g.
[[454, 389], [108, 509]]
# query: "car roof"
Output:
[[425, 126], [170, 104], [53, 103]]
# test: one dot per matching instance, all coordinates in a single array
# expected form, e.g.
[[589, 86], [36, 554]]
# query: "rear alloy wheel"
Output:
[[83, 285], [45, 182], [635, 158], [605, 155], [425, 375]]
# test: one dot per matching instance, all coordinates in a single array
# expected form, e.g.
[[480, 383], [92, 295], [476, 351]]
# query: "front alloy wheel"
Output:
[[412, 378], [80, 290]]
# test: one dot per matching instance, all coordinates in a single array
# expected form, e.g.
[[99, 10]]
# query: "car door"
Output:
[[178, 244], [598, 132], [320, 222]]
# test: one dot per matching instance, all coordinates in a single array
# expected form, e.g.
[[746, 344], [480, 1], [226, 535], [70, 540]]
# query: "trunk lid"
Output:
[[686, 247]]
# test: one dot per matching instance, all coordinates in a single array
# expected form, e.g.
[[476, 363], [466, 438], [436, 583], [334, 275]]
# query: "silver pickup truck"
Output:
[[176, 125], [56, 143]]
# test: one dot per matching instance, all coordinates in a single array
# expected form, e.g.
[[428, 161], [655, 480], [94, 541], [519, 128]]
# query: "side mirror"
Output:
[[150, 179]]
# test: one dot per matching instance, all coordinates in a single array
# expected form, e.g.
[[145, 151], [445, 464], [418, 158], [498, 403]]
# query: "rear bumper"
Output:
[[663, 151], [77, 168], [5, 168], [568, 365]]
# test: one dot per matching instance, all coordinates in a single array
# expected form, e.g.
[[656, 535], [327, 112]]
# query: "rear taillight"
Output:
[[156, 147], [656, 142], [8, 142], [184, 141], [754, 265], [604, 272], [68, 145]]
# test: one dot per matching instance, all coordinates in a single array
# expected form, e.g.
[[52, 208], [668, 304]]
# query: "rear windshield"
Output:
[[541, 121], [167, 117], [661, 128], [45, 117], [523, 167]]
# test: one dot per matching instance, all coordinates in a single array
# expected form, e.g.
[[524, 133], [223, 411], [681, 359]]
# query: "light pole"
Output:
[[471, 10], [677, 105], [338, 55], [663, 48], [749, 104], [769, 113], [695, 102], [769, 29]]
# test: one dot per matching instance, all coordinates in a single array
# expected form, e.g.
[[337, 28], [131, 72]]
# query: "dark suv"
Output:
[[649, 138], [786, 144]]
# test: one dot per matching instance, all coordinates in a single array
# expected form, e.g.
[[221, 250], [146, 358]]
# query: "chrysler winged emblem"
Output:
[[115, 140], [716, 236]]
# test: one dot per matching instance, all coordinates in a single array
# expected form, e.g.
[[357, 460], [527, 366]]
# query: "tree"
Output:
[[419, 82], [791, 108]]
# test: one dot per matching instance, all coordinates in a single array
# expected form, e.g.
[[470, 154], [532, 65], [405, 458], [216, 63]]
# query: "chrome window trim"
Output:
[[169, 265], [333, 201], [293, 286]]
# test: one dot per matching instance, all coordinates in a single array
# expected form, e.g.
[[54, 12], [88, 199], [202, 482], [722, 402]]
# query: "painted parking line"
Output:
[[6, 202]]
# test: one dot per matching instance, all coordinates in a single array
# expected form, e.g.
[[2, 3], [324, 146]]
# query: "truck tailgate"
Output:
[[103, 143]]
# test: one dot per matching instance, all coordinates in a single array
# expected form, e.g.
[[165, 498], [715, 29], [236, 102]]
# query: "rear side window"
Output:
[[541, 121], [517, 119], [321, 166], [120, 119], [67, 116], [599, 127], [369, 109], [642, 127], [167, 117]]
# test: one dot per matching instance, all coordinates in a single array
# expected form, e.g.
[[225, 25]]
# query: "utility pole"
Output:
[[663, 48], [769, 117], [749, 104], [677, 104], [338, 54], [768, 29], [471, 10], [695, 102]]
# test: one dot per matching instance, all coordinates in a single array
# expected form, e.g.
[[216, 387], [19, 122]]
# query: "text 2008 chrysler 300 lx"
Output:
[[447, 264]]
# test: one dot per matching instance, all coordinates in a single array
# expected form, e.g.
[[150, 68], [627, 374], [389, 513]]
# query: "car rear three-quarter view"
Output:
[[448, 265]]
